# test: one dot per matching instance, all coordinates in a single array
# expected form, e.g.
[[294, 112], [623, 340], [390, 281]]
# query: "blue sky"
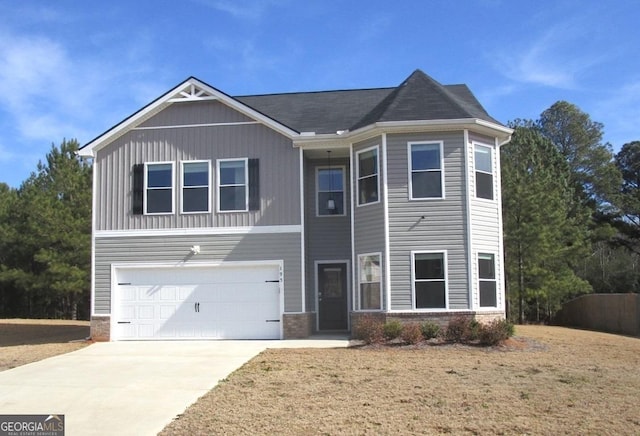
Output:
[[71, 69]]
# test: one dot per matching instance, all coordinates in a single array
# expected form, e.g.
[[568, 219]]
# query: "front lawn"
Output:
[[548, 380]]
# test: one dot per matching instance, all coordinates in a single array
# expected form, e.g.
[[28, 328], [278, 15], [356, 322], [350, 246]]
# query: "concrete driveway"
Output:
[[129, 388]]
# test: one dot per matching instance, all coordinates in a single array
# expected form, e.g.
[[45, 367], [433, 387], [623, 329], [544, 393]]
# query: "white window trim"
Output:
[[344, 193], [173, 187], [360, 256], [357, 190], [182, 187], [410, 171], [246, 184], [492, 173], [495, 279], [446, 280]]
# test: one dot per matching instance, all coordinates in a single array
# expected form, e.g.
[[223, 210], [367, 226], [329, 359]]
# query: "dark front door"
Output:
[[332, 296]]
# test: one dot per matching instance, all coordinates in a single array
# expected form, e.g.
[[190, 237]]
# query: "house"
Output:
[[277, 216]]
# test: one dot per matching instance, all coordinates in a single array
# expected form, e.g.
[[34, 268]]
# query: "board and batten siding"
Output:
[[368, 220], [444, 224], [171, 137], [175, 250], [327, 237], [485, 219]]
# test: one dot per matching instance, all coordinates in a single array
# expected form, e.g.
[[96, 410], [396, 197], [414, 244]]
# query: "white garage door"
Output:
[[220, 302]]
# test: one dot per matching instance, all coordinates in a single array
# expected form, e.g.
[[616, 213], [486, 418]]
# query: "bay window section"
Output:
[[483, 171], [370, 275], [487, 280], [426, 178], [429, 275], [368, 183]]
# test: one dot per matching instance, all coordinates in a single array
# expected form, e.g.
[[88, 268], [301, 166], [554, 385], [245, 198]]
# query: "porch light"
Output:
[[331, 204]]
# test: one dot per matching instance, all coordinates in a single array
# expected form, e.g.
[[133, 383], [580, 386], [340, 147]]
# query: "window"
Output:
[[232, 184], [484, 172], [487, 279], [195, 186], [368, 185], [429, 273], [369, 280], [425, 180], [159, 188], [330, 195]]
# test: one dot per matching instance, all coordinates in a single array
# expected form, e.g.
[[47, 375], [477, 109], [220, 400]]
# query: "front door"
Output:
[[332, 296]]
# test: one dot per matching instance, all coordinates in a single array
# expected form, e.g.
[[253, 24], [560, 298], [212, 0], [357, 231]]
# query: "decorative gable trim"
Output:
[[190, 90]]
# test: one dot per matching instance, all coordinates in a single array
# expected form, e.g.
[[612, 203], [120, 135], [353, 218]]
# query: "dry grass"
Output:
[[24, 341], [548, 380]]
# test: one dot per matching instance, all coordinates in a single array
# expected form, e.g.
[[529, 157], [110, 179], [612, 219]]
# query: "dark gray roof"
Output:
[[419, 97]]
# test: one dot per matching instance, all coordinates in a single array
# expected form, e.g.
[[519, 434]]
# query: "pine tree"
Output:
[[543, 238], [51, 241]]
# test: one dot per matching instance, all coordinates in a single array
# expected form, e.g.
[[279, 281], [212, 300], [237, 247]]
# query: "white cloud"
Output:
[[555, 57], [240, 10]]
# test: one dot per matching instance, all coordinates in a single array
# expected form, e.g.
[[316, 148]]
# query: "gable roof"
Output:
[[418, 98]]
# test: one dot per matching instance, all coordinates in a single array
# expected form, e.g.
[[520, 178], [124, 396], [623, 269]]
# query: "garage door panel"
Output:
[[199, 303]]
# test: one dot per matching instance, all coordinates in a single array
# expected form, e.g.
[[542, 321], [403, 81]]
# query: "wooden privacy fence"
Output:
[[613, 313]]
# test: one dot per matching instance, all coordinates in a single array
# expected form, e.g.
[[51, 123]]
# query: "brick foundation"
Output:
[[297, 325], [440, 318], [101, 328]]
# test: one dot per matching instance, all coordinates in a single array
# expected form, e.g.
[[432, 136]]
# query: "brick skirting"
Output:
[[101, 328], [297, 325], [440, 318]]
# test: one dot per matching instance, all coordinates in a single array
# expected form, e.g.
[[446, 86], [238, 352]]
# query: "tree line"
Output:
[[571, 219], [45, 239], [571, 212]]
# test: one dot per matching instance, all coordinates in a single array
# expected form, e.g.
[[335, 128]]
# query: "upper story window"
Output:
[[158, 188], [233, 183], [426, 178], [330, 191], [195, 187], [369, 279], [430, 280], [368, 183], [487, 280], [484, 171]]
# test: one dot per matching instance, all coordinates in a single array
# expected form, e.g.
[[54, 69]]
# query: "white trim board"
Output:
[[198, 231]]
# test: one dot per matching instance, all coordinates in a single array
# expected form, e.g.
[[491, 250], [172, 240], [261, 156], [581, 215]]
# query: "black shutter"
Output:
[[137, 193], [254, 184]]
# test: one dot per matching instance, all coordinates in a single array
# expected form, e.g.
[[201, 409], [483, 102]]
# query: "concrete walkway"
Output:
[[129, 388]]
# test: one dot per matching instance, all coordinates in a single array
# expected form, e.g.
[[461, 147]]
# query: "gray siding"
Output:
[[444, 223], [214, 248], [279, 169], [369, 219], [327, 237], [485, 219]]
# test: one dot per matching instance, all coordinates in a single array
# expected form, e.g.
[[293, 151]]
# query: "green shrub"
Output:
[[430, 330], [495, 332], [474, 330], [392, 329], [369, 329], [461, 329], [411, 333]]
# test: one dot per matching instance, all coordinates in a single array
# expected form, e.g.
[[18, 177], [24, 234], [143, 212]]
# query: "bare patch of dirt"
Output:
[[25, 341], [546, 380]]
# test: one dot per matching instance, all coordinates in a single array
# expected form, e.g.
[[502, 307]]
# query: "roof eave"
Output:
[[477, 125]]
